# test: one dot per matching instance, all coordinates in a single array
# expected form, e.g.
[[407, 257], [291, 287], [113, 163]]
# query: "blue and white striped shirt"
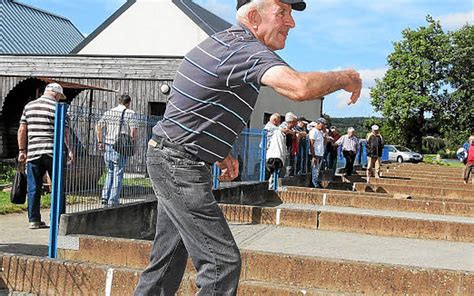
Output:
[[214, 93]]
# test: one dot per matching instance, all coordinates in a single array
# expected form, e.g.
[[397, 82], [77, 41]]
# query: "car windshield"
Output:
[[402, 149]]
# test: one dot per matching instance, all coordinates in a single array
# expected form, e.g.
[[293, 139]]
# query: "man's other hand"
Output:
[[354, 85], [229, 168]]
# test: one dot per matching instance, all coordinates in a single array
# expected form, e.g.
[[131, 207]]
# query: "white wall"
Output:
[[148, 27], [270, 102]]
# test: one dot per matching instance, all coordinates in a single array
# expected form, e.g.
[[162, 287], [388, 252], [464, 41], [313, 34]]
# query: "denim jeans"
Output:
[[315, 168], [189, 221], [35, 171], [115, 164]]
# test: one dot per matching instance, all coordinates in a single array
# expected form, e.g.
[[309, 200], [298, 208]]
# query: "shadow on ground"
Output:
[[24, 249]]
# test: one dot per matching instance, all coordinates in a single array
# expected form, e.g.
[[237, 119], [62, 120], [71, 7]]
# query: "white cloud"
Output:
[[369, 75], [455, 21]]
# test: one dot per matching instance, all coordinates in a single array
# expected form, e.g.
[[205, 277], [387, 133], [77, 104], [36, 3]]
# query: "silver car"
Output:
[[401, 154]]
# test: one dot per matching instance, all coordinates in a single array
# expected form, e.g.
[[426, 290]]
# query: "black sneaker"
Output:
[[104, 202]]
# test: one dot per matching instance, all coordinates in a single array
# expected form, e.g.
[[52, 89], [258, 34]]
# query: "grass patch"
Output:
[[431, 159], [6, 207]]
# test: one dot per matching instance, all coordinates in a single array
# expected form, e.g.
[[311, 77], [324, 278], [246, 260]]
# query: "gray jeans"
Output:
[[188, 221]]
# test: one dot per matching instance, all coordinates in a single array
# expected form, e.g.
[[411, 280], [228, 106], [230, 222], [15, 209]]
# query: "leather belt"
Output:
[[159, 142]]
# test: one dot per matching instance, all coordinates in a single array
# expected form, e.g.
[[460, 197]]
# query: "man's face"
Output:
[[276, 22], [320, 126], [292, 124]]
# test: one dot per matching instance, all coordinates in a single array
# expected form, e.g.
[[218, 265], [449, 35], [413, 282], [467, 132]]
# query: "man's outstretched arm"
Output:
[[303, 86]]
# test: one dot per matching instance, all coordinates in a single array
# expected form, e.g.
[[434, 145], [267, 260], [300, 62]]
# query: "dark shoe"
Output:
[[104, 202]]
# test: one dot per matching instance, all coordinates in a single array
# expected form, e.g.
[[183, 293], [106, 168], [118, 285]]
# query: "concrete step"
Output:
[[60, 277], [423, 183], [346, 219], [369, 200], [419, 177], [453, 194], [333, 261]]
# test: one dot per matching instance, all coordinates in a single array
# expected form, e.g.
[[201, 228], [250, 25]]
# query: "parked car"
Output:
[[403, 154]]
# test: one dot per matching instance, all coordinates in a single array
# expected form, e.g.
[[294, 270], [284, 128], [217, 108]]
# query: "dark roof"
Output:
[[24, 29], [207, 21]]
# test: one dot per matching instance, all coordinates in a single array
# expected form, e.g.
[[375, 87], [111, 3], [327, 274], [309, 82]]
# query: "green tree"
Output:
[[457, 105], [415, 79]]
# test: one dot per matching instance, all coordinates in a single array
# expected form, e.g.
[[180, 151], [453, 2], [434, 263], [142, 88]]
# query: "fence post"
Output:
[[216, 172], [263, 155], [58, 179]]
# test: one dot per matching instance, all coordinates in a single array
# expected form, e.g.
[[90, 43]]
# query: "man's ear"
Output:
[[254, 18]]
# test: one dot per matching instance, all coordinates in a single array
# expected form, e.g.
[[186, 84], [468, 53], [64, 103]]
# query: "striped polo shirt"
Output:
[[39, 115], [214, 93]]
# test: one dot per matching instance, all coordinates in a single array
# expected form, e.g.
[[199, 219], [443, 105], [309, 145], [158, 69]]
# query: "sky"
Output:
[[329, 34]]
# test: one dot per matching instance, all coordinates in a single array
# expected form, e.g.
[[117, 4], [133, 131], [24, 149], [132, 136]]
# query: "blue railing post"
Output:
[[58, 179], [216, 172], [263, 155], [276, 175]]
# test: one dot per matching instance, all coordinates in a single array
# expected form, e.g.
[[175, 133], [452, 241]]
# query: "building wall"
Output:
[[270, 102], [148, 27]]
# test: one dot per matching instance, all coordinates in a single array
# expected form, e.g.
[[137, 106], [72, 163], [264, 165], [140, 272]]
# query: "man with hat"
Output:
[[35, 145], [317, 142], [375, 145], [211, 101]]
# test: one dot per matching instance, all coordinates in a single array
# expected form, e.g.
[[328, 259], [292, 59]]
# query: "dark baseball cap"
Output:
[[295, 4]]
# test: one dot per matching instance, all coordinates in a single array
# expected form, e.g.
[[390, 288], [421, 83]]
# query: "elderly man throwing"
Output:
[[212, 98]]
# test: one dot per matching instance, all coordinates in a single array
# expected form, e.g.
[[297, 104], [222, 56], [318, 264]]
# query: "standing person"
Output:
[[276, 155], [317, 142], [288, 129], [470, 159], [301, 153], [35, 143], [350, 146], [212, 98], [116, 121], [332, 148], [375, 145], [271, 126]]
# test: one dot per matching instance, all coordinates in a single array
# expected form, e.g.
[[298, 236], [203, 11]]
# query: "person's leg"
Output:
[[119, 170], [467, 171], [34, 172], [168, 255], [191, 207], [369, 168], [315, 171], [346, 166], [109, 178], [351, 158], [47, 163], [377, 167]]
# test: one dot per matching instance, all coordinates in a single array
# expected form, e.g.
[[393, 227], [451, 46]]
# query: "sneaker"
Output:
[[104, 202], [37, 225]]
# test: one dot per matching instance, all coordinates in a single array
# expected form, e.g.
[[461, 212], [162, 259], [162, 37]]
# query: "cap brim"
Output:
[[300, 6]]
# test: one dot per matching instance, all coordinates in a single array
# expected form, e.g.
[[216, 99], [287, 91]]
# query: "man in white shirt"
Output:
[[116, 121], [271, 126], [350, 146], [317, 143]]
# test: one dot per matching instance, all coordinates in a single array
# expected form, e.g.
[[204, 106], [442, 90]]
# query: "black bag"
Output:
[[124, 144], [18, 193]]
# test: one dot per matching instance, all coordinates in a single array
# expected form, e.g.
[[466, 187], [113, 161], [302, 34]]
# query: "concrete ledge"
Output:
[[373, 201]]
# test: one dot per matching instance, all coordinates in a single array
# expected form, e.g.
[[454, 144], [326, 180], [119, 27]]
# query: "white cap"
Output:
[[351, 129], [311, 125], [55, 87], [375, 127], [290, 116]]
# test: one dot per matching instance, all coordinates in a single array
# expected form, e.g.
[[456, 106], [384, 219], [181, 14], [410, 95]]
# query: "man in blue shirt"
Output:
[[212, 98]]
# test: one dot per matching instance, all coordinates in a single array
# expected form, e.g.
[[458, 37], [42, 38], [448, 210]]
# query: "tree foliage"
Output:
[[427, 88]]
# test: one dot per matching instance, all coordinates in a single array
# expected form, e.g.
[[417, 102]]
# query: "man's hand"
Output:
[[354, 85], [101, 146], [70, 158], [22, 157], [230, 169]]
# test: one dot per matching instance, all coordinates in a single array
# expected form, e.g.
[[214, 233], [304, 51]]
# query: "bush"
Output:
[[7, 172], [431, 145]]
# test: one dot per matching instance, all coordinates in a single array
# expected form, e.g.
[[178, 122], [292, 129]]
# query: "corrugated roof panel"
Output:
[[27, 30]]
